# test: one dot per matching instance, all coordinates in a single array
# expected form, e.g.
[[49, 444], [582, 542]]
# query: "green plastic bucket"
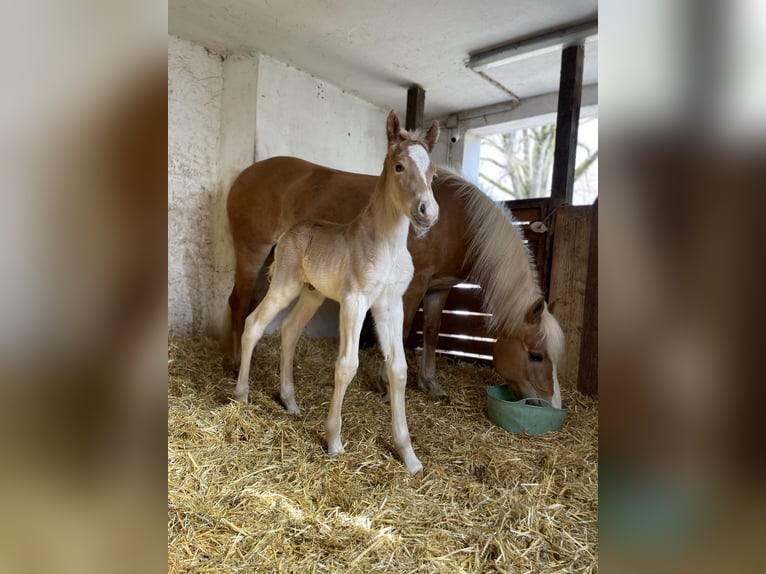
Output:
[[507, 411]]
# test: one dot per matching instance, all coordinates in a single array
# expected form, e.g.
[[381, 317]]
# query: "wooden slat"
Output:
[[473, 325], [466, 346], [464, 300]]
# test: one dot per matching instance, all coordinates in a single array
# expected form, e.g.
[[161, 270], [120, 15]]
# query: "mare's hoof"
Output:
[[229, 365]]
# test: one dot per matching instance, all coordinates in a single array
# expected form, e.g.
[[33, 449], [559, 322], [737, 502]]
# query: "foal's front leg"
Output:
[[388, 316], [352, 311]]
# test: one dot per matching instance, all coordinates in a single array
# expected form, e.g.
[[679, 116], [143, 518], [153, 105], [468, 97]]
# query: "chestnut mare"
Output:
[[364, 265], [474, 237]]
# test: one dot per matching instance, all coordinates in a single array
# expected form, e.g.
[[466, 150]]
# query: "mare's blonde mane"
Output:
[[503, 265]]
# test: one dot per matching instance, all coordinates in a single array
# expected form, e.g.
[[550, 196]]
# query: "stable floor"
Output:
[[251, 488]]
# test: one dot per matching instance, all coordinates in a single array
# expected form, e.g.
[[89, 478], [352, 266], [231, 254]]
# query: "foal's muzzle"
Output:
[[425, 215]]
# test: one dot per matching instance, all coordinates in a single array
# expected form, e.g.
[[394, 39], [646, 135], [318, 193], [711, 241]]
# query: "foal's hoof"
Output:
[[241, 397], [290, 406], [416, 471]]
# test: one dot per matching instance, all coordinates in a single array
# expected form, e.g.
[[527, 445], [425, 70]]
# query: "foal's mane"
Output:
[[502, 265]]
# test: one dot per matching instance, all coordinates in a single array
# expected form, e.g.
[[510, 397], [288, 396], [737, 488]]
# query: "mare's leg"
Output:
[[249, 264], [292, 327], [433, 305], [411, 301], [352, 311], [389, 321], [279, 296]]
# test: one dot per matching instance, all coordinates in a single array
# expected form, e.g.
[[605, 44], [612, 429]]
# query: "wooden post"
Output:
[[416, 102], [565, 150], [587, 376], [567, 120], [568, 280]]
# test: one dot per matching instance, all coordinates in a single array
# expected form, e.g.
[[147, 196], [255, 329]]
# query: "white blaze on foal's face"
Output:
[[424, 210], [420, 158]]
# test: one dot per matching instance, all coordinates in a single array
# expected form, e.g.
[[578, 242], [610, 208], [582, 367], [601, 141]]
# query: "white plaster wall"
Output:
[[195, 81], [222, 116], [303, 116], [236, 151]]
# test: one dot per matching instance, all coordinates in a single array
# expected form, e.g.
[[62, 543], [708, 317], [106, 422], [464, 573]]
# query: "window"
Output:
[[519, 164]]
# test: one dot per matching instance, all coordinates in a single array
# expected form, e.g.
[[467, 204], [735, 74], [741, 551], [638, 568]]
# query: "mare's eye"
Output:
[[535, 357], [399, 167]]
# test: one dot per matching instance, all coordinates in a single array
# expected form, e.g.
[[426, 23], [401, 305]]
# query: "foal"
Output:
[[362, 265]]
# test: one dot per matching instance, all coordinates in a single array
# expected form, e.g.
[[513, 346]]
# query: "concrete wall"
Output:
[[302, 116], [195, 83], [223, 114]]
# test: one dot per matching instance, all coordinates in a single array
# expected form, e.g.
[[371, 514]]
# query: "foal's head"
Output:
[[408, 166], [528, 360]]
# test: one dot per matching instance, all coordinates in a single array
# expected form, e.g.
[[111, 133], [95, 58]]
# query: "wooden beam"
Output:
[[416, 103], [567, 121], [587, 376]]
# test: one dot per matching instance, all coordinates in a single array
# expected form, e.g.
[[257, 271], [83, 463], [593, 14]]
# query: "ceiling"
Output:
[[379, 48]]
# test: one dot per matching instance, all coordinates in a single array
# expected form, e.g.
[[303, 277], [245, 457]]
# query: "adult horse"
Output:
[[474, 237], [364, 265]]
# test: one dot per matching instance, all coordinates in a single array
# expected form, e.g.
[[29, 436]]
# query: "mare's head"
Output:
[[409, 172], [528, 360]]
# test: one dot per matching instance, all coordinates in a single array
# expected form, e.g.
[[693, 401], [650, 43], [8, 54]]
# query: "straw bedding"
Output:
[[251, 488]]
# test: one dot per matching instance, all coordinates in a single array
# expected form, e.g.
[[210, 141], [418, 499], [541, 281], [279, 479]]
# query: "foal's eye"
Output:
[[535, 357], [399, 167]]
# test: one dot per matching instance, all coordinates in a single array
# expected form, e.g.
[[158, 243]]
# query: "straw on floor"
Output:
[[252, 489]]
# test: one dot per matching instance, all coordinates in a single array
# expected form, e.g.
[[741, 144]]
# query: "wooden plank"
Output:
[[474, 325], [567, 122], [587, 376], [569, 269], [416, 102], [466, 346]]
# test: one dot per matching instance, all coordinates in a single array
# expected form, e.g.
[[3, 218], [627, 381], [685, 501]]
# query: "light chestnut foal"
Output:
[[363, 265]]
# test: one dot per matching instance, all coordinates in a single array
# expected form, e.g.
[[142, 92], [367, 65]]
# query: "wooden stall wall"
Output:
[[463, 331], [573, 273]]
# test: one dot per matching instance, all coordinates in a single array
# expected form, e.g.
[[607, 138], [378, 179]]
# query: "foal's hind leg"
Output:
[[279, 296], [292, 327]]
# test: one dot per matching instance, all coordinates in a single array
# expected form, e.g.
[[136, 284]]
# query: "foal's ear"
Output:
[[432, 136], [393, 128], [536, 311]]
